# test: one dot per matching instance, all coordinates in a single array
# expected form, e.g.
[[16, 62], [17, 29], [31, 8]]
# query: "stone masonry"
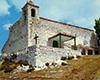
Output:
[[22, 37]]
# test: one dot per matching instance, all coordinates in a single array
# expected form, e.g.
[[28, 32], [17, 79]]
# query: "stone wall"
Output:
[[44, 54], [38, 56], [18, 39], [47, 28]]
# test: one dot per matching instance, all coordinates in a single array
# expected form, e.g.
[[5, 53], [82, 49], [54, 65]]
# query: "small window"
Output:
[[32, 12], [55, 44]]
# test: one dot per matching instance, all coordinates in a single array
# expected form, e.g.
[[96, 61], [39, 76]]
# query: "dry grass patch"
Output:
[[86, 68]]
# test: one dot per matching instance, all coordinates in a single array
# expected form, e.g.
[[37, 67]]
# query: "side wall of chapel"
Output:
[[46, 29]]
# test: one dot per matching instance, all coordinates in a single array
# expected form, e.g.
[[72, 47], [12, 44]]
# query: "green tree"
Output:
[[97, 29]]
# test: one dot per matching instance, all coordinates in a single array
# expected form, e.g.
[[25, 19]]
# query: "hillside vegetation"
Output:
[[85, 68]]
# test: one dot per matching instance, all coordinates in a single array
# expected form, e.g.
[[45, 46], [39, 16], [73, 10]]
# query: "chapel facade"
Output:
[[35, 34]]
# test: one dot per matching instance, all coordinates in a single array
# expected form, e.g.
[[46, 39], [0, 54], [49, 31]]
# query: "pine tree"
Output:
[[97, 29]]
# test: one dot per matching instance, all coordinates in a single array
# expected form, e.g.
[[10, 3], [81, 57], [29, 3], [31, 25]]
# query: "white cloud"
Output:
[[7, 26], [4, 7]]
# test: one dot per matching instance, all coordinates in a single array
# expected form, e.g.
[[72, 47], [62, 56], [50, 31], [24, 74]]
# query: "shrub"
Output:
[[24, 62], [47, 64], [63, 64], [30, 68], [7, 65], [78, 56], [8, 69], [54, 64], [70, 57], [63, 58], [4, 64], [6, 61]]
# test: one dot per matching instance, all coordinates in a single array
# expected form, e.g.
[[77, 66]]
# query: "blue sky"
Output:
[[77, 12]]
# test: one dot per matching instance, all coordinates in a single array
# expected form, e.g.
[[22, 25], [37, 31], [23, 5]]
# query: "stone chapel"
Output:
[[48, 40]]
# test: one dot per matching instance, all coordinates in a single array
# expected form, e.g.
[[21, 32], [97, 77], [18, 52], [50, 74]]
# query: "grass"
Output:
[[86, 68]]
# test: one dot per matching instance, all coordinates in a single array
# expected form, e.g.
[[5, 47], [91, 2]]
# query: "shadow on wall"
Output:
[[93, 40]]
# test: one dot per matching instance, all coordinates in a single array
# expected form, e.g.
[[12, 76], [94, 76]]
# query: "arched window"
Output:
[[32, 12]]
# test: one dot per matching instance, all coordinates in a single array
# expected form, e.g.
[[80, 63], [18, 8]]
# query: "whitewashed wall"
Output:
[[46, 54], [46, 29]]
